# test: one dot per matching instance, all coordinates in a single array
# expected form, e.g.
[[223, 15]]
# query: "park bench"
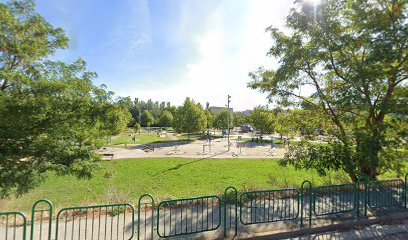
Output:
[[148, 148], [111, 155]]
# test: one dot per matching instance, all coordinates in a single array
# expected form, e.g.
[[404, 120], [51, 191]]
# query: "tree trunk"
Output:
[[369, 148]]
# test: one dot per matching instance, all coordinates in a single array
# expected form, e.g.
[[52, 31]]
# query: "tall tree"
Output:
[[354, 57], [190, 118], [52, 116]]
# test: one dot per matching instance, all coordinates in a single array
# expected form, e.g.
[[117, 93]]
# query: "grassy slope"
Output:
[[125, 180]]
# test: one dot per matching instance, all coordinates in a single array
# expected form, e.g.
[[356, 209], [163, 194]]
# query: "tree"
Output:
[[166, 119], [147, 119], [262, 120], [136, 127], [354, 57], [210, 117], [190, 118], [283, 124], [52, 116], [307, 122], [238, 119], [221, 120]]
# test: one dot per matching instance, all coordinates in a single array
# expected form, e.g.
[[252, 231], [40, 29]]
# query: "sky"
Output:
[[167, 50]]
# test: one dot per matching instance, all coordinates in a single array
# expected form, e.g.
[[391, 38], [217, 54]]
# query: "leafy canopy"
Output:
[[221, 120], [52, 116], [352, 56], [262, 119], [190, 118], [166, 119]]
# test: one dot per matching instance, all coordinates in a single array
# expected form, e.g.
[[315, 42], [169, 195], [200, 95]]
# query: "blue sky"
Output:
[[168, 50]]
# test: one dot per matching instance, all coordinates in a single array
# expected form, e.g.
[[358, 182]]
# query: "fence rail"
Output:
[[186, 216], [13, 225], [334, 199], [95, 222], [269, 206], [386, 193]]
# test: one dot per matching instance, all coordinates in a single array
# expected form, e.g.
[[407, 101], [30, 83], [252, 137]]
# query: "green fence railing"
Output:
[[13, 225], [41, 212], [230, 210], [334, 199], [386, 193], [188, 216], [306, 193], [269, 206], [145, 218], [95, 222]]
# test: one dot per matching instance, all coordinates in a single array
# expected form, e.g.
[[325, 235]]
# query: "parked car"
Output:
[[247, 128]]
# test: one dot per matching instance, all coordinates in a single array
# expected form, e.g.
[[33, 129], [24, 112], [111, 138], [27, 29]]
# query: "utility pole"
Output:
[[229, 97]]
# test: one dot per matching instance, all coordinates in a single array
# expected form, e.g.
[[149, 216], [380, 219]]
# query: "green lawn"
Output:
[[167, 178], [143, 138]]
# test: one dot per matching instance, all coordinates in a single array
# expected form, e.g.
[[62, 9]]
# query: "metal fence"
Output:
[[189, 216], [269, 206]]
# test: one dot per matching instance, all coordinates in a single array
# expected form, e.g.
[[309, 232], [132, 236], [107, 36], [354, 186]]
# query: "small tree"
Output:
[[210, 118], [190, 118], [262, 120], [238, 119], [166, 119], [221, 120], [147, 119], [136, 128]]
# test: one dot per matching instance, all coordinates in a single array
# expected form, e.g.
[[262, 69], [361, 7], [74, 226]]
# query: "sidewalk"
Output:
[[392, 227]]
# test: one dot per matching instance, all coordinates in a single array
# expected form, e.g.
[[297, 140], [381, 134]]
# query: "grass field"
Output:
[[139, 139], [166, 178]]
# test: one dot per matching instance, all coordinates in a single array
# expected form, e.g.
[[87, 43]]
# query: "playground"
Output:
[[240, 146]]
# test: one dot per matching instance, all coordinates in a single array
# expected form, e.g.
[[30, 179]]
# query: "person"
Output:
[[273, 143]]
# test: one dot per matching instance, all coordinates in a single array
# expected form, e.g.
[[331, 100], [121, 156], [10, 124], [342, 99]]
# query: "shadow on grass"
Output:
[[191, 162]]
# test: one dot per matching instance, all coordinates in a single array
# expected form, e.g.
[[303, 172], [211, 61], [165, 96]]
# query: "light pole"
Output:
[[229, 97]]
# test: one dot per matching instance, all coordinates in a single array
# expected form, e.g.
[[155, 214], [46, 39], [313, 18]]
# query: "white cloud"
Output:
[[233, 43]]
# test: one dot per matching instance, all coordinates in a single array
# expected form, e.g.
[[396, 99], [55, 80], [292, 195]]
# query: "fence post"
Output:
[[234, 191], [138, 214], [364, 178], [34, 210], [14, 224], [302, 202], [405, 190]]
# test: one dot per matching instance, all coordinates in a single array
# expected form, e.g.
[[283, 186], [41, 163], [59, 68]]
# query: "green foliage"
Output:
[[210, 118], [238, 119], [166, 119], [147, 119], [353, 56], [190, 118], [262, 119], [52, 117], [306, 123], [136, 127], [221, 120]]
